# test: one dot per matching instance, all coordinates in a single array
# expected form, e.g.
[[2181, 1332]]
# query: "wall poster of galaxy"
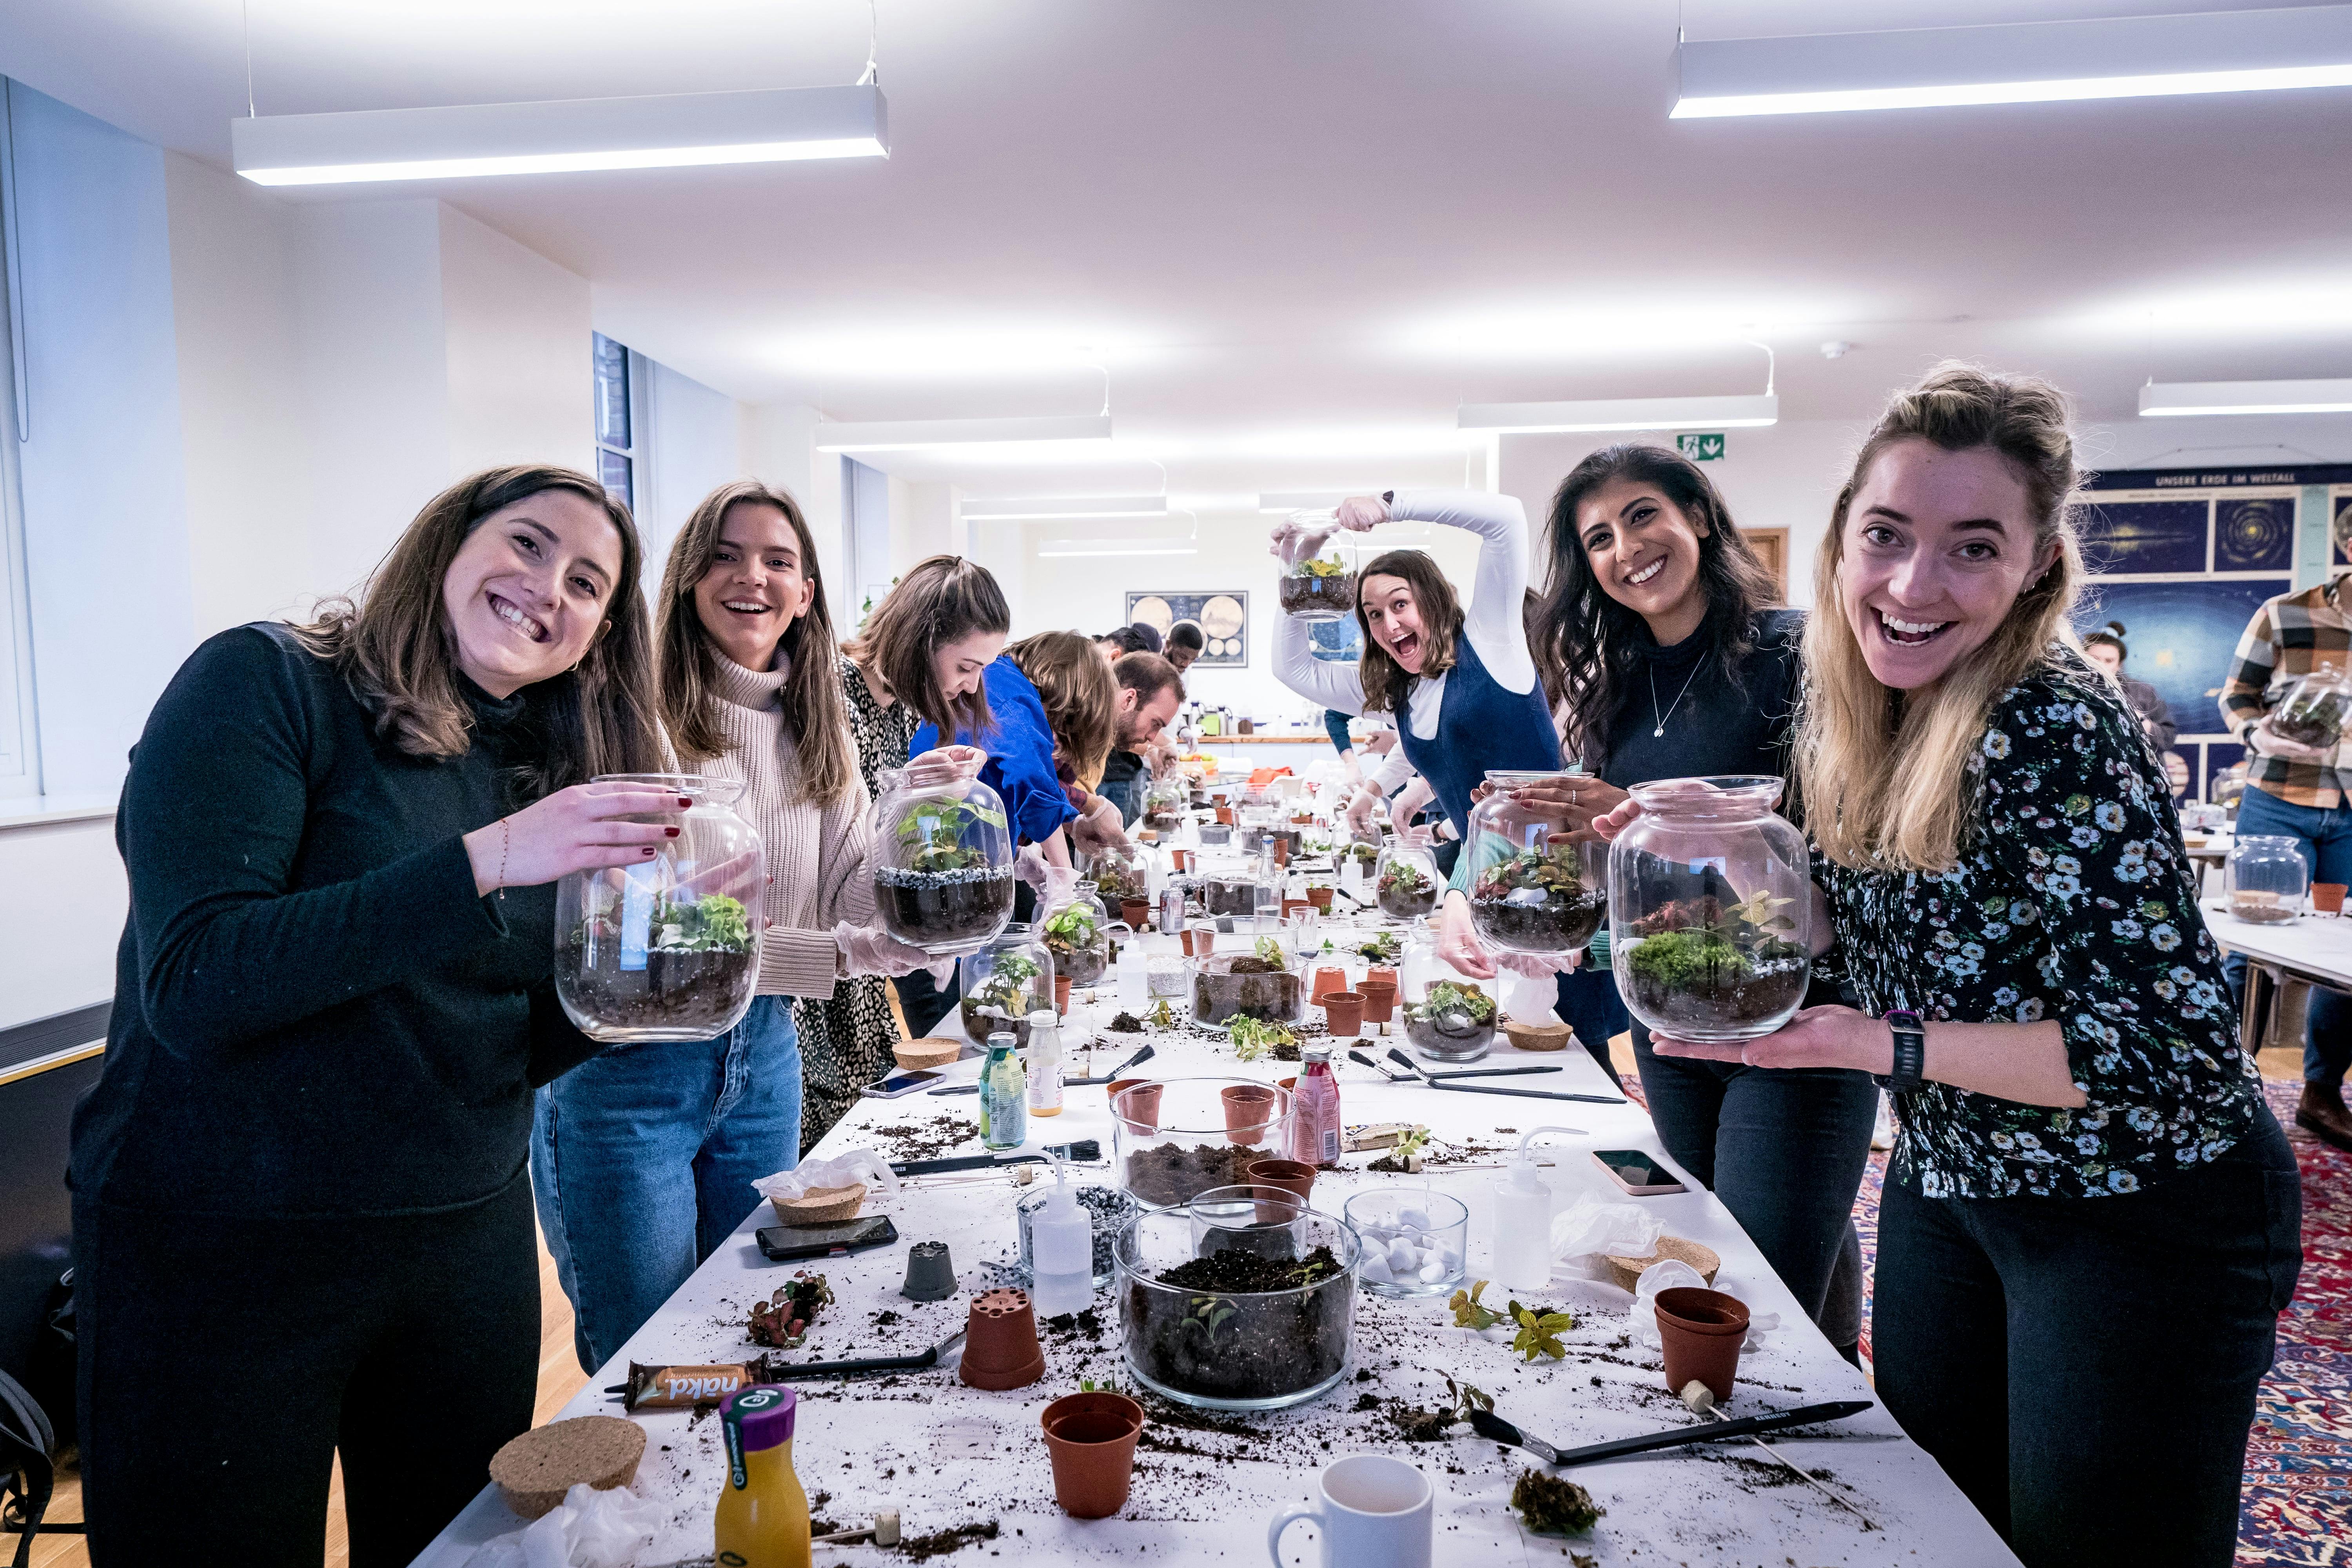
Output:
[[1223, 620]]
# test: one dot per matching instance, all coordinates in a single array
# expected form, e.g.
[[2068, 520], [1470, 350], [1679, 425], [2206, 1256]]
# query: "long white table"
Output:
[[944, 1455], [2312, 948]]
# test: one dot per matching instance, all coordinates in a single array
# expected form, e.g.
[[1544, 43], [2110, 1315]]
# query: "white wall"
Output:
[[695, 446], [64, 959], [517, 327]]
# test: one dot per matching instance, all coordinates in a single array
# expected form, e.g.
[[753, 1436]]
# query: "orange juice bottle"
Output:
[[764, 1514]]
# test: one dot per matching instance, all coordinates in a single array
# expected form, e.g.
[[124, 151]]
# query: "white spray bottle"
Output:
[[1062, 1251], [1523, 1220]]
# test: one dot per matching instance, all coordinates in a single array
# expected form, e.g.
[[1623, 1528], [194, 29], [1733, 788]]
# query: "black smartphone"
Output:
[[899, 1083], [783, 1243], [1636, 1173]]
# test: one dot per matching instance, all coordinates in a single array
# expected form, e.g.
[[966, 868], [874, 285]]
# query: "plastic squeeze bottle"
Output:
[[1314, 1108], [1003, 1096], [1061, 1251], [764, 1514], [1523, 1220], [1044, 1063], [1134, 976]]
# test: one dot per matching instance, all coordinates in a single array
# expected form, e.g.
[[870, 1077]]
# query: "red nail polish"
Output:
[[671, 831], [685, 800], [649, 854]]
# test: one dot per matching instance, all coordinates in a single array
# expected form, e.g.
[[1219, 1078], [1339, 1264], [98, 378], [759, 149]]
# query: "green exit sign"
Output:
[[1706, 448]]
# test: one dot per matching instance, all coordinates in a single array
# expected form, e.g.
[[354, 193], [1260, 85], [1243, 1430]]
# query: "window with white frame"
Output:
[[619, 421], [20, 759]]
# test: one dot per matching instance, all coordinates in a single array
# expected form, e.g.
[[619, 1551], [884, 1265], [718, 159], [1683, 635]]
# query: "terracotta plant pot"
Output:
[[1135, 912], [1292, 1178], [1091, 1439], [1292, 906], [1702, 1332], [1282, 851], [1377, 973], [2327, 898], [1000, 1345], [1181, 859], [1186, 937], [1226, 815], [1380, 1000], [1326, 982], [1344, 1012], [1322, 899], [1061, 994], [1249, 1111], [1140, 1110]]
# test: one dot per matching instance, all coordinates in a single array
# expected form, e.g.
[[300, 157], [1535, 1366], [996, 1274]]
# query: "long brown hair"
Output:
[[1080, 695], [816, 711], [1885, 775], [391, 643], [1386, 683], [941, 600]]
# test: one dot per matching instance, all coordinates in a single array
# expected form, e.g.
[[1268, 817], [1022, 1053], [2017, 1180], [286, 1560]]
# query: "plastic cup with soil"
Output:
[[1192, 1142], [1091, 1439], [1253, 984], [1698, 970], [1452, 1023], [1238, 1316], [1701, 1332]]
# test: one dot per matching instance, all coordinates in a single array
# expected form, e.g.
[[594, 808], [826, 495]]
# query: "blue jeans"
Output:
[[642, 1161], [2326, 839]]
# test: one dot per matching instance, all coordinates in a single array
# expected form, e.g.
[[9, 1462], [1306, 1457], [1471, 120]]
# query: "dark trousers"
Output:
[[1785, 1151], [1588, 1003], [225, 1361], [2085, 1368], [926, 1004]]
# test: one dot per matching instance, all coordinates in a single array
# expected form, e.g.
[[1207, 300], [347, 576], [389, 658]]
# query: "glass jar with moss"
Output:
[[1003, 982], [1076, 933]]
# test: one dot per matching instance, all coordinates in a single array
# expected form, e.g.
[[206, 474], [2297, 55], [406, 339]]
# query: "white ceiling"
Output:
[[1297, 232]]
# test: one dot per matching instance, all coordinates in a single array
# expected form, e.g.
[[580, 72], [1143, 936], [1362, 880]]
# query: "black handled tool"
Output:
[[789, 1373], [1362, 1058], [1438, 1081], [1434, 1075], [1489, 1425], [1082, 1151], [1118, 1072]]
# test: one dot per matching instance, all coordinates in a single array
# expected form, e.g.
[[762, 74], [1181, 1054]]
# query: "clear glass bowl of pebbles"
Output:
[[1107, 1208], [1414, 1242]]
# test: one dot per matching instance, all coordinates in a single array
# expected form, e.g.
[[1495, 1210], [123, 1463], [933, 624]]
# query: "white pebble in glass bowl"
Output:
[[1413, 1241]]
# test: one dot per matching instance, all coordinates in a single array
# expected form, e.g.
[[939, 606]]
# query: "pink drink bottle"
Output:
[[1314, 1109]]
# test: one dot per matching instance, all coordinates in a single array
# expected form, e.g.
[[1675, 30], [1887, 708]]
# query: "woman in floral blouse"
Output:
[[2092, 1219]]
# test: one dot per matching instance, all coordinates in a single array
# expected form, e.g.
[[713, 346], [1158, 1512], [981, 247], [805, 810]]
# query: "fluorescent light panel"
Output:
[[1284, 502], [2190, 399], [2019, 62], [909, 435], [773, 125], [1058, 548], [1625, 414], [1047, 508]]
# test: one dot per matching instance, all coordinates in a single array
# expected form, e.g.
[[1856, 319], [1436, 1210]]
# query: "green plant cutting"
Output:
[[1382, 949], [1268, 951], [1447, 997], [1255, 1039], [1007, 982], [1405, 879], [931, 835], [1539, 1328]]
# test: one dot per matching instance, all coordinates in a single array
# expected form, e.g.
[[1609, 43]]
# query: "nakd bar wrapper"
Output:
[[670, 1387]]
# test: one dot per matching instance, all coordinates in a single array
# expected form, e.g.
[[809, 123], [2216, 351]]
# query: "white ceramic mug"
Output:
[[1375, 1513]]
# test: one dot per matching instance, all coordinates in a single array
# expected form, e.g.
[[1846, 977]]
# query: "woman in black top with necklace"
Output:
[[1655, 641], [301, 1217]]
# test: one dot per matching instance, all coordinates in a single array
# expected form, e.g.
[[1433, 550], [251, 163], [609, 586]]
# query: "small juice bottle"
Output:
[[1314, 1109], [764, 1514]]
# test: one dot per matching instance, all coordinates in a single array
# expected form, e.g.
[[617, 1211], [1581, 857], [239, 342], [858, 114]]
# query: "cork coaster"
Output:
[[1627, 1271], [822, 1205], [1538, 1036], [536, 1469], [931, 1051]]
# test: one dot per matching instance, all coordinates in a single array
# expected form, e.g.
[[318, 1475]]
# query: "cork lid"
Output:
[[536, 1469]]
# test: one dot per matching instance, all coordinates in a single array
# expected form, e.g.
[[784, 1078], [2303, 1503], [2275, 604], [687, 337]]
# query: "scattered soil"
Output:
[[940, 1542], [1329, 597], [1246, 987], [1419, 1425], [1566, 920], [1168, 1175], [1254, 965], [1239, 1325], [928, 1139], [927, 907], [1549, 1506], [1125, 1024], [696, 993]]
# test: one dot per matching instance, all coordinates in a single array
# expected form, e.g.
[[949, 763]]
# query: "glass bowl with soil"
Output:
[[1710, 910], [1249, 1307], [1167, 805], [1003, 982], [1452, 1023], [1254, 838], [1234, 893], [668, 950], [1076, 935], [943, 862], [1176, 1139], [1259, 983], [2265, 879], [1317, 584], [1531, 891], [1406, 882], [2314, 710]]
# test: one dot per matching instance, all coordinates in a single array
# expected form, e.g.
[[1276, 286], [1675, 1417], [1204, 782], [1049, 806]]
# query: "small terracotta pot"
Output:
[[1282, 851], [1226, 815], [2327, 898], [1376, 973], [1287, 1085], [1135, 912], [1061, 994], [1292, 1178], [1140, 1110], [1181, 859], [1344, 1012], [1249, 1111], [1326, 982], [1292, 906], [1322, 899], [1380, 1000], [1302, 819], [1702, 1332], [1091, 1439], [1000, 1345]]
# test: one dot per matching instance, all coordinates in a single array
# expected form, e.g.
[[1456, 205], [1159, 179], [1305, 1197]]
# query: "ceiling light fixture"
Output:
[[2191, 399], [910, 435], [1624, 414], [1281, 503], [763, 126], [2018, 62], [1031, 509], [1054, 548]]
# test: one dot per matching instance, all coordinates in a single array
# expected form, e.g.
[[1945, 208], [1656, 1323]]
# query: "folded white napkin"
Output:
[[589, 1528], [1590, 1229], [840, 1170]]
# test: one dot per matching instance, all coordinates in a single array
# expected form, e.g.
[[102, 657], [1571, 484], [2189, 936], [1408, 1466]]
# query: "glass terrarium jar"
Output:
[[1529, 894], [943, 862], [1453, 1022], [1118, 874], [1317, 585], [1263, 983], [668, 950], [2314, 710], [1245, 1304], [1175, 1140], [1405, 882], [1167, 805], [1003, 982], [1234, 892], [1710, 910], [2266, 878], [1076, 935]]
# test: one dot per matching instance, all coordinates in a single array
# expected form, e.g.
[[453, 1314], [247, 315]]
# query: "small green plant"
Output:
[[1073, 928], [1006, 985], [1469, 1312], [1161, 1017], [1404, 880], [1319, 567], [1421, 1425], [1540, 1331], [1551, 869], [712, 923], [932, 833], [1268, 951], [1409, 1147], [1255, 1039], [1447, 997], [1382, 949], [1705, 943]]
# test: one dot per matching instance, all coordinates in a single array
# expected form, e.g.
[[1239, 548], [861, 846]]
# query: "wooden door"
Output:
[[1771, 546]]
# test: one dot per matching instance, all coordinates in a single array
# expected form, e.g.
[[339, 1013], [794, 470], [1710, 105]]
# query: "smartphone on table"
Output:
[[784, 1243], [899, 1083], [1635, 1172]]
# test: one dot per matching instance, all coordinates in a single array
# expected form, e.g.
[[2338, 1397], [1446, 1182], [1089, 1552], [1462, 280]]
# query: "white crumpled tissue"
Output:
[[1589, 1229], [840, 1170], [1667, 1274], [589, 1528]]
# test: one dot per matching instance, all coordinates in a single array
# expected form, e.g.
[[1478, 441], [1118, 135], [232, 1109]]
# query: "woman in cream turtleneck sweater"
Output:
[[642, 1159]]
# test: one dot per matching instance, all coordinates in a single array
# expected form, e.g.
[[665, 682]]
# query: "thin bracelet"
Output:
[[506, 837]]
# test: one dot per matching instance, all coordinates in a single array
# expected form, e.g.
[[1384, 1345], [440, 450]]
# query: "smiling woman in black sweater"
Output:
[[302, 1221]]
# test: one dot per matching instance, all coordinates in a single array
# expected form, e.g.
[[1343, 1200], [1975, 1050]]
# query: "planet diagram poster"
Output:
[[1222, 617]]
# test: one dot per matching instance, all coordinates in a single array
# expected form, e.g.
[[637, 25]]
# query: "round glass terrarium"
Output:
[[1002, 984], [1261, 980], [1246, 1304], [943, 862], [2266, 878], [1168, 804], [1710, 910], [1406, 882], [668, 950], [1175, 1140], [1529, 893], [1076, 935], [1317, 584], [2314, 710], [1453, 1021], [1118, 874]]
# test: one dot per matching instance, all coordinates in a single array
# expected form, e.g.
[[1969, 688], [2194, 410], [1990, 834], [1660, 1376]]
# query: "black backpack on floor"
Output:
[[28, 1468]]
